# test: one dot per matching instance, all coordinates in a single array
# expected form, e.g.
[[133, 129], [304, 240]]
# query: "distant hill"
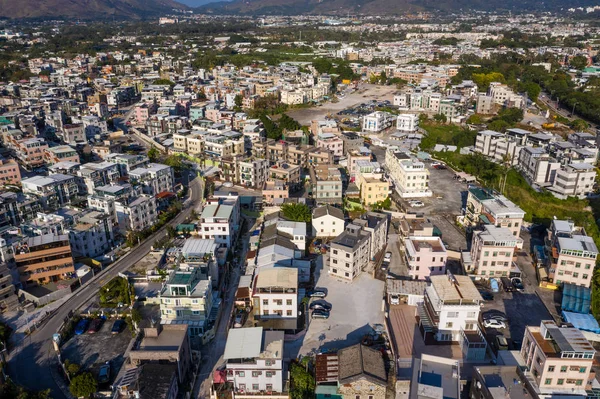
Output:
[[382, 7], [86, 9]]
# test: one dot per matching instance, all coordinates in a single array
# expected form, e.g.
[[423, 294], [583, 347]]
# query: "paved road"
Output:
[[562, 111], [31, 361]]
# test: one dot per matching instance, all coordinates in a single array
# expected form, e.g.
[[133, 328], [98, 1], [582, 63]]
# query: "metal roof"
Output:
[[243, 343], [196, 246]]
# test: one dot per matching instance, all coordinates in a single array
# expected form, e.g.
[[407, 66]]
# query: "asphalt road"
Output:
[[31, 361]]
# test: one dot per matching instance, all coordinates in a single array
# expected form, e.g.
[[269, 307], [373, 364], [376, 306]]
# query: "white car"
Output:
[[388, 257], [492, 323], [416, 204], [395, 299]]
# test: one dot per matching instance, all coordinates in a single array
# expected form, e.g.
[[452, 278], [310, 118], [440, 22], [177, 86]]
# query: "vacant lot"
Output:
[[366, 92]]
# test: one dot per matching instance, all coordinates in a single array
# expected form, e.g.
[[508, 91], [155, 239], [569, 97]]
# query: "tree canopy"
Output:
[[83, 385], [297, 212]]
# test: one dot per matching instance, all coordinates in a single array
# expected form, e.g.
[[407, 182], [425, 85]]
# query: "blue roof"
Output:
[[585, 322], [576, 298]]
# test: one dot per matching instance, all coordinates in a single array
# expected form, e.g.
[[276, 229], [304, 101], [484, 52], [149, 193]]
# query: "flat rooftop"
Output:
[[462, 288], [437, 377]]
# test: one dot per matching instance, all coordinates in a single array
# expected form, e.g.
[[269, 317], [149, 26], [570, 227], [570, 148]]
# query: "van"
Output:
[[500, 343], [507, 284]]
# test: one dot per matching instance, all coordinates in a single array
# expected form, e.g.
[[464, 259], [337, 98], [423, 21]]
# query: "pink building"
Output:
[[275, 192], [425, 256], [31, 152], [9, 172], [143, 112], [331, 142]]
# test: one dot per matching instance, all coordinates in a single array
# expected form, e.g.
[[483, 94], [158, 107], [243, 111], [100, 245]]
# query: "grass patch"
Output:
[[439, 133]]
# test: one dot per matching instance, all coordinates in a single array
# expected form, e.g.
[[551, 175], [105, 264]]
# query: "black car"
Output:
[[518, 284], [320, 306], [486, 295], [495, 315]]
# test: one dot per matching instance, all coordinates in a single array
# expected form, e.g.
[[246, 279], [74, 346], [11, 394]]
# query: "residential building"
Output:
[[571, 254], [407, 122], [486, 206], [61, 153], [30, 152], [558, 358], [275, 192], [9, 301], [361, 373], [327, 221], [349, 253], [495, 382], [92, 235], [537, 166], [425, 256], [288, 173], [502, 95], [154, 178], [493, 252], [167, 344], [9, 171], [326, 183], [373, 186], [352, 141], [201, 254], [53, 191], [410, 177], [186, 298], [44, 259], [253, 173], [96, 174], [574, 180], [435, 377], [376, 224], [217, 222], [127, 162], [378, 121], [72, 133], [331, 142], [450, 313], [138, 213], [254, 361], [356, 156], [485, 104], [276, 293]]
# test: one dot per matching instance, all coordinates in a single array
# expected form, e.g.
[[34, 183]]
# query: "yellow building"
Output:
[[369, 179]]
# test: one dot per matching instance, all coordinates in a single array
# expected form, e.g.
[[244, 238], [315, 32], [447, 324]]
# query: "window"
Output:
[[268, 362], [548, 381], [288, 312], [265, 302], [550, 369], [242, 387], [288, 302], [269, 387], [255, 373], [255, 387], [563, 369], [268, 374], [240, 373], [575, 275], [582, 369], [579, 382], [449, 324], [452, 315], [486, 253]]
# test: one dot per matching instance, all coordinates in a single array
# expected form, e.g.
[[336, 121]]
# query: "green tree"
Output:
[[302, 381], [83, 385], [297, 212], [153, 154], [578, 125], [578, 62], [483, 80], [475, 119], [175, 162], [171, 231], [533, 90], [72, 368], [441, 118], [163, 82], [238, 100]]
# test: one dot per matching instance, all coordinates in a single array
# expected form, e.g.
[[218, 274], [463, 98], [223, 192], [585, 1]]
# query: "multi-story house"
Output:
[[574, 180], [275, 192], [485, 206], [410, 177], [331, 142], [30, 152], [127, 162], [186, 298], [72, 133], [327, 221], [254, 361], [53, 191], [92, 235], [326, 183], [493, 252], [104, 198], [9, 171], [155, 178], [376, 224], [288, 173], [377, 121], [352, 142], [61, 153], [253, 173], [371, 183], [559, 359], [96, 174], [217, 222], [43, 259], [8, 299], [355, 156], [275, 293], [16, 208], [425, 257], [435, 376], [349, 253], [407, 122], [537, 166], [137, 213], [450, 313], [571, 254]]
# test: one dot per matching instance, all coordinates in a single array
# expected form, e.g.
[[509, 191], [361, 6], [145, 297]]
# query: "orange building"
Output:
[[9, 172], [43, 259]]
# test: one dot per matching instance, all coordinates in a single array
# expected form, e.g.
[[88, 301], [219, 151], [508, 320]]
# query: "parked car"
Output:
[[494, 284], [385, 265], [318, 294], [320, 306], [320, 314], [239, 319], [494, 315], [395, 299], [518, 284], [388, 257], [416, 204], [104, 373], [82, 326], [486, 295], [96, 325], [500, 343], [493, 323], [117, 326], [507, 285]]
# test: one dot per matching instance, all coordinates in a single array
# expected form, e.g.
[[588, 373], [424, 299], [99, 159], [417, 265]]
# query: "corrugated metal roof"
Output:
[[243, 343]]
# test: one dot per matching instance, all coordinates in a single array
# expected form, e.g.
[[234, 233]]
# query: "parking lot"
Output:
[[522, 309], [356, 307], [90, 351]]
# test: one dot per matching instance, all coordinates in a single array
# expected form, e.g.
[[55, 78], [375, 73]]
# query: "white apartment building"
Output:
[[137, 214], [537, 166], [377, 121], [327, 221], [349, 253], [276, 293], [186, 298], [504, 96], [407, 122], [410, 177], [217, 223], [155, 178], [451, 308], [485, 206], [92, 235], [492, 252], [254, 360], [254, 173], [574, 180]]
